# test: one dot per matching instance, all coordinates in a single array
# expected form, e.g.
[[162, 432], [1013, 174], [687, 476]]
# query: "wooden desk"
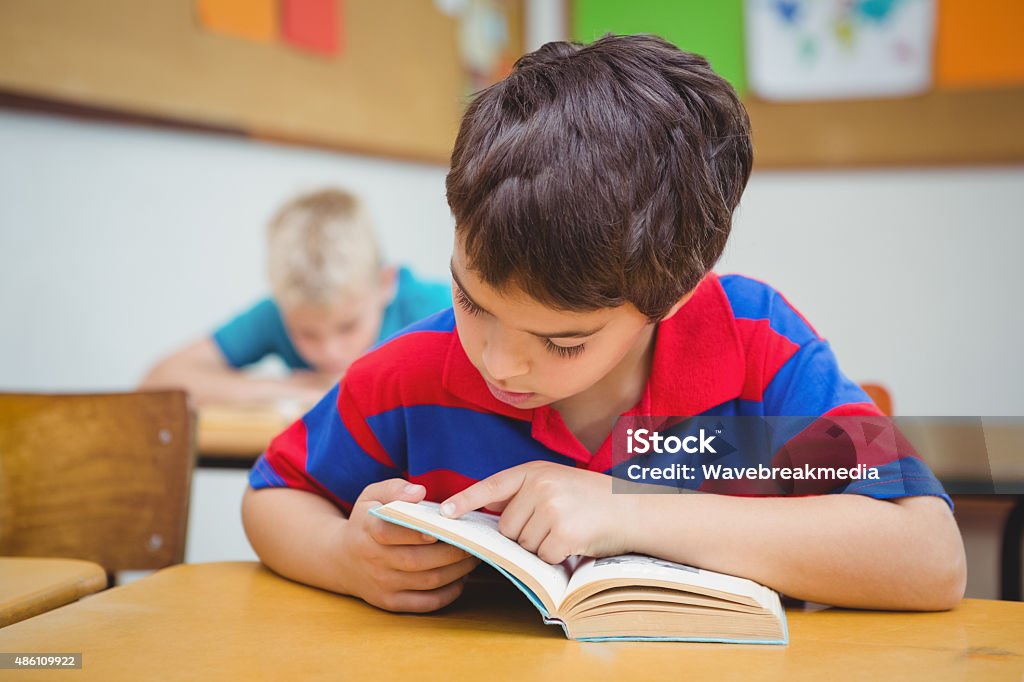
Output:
[[239, 621], [233, 436], [30, 586]]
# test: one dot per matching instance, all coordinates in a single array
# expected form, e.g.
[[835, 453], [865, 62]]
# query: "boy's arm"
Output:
[[297, 534], [200, 368], [841, 549], [845, 549], [304, 537]]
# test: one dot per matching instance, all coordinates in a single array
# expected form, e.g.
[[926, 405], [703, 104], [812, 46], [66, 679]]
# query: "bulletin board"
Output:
[[971, 114], [397, 86]]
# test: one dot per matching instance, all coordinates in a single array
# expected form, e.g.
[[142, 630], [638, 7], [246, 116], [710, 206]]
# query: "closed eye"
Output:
[[465, 303], [564, 351]]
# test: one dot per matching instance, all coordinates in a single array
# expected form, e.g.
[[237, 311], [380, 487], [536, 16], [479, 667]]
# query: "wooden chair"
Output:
[[103, 477], [880, 396]]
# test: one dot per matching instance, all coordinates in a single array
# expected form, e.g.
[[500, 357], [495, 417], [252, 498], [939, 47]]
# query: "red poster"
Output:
[[313, 25]]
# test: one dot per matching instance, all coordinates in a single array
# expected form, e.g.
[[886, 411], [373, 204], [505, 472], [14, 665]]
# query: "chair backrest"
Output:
[[880, 395], [102, 477]]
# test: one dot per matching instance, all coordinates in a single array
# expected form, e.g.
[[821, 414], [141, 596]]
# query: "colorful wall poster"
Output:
[[835, 49], [712, 28], [251, 19], [981, 44]]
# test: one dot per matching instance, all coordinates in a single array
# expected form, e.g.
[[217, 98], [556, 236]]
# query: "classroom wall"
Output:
[[913, 275]]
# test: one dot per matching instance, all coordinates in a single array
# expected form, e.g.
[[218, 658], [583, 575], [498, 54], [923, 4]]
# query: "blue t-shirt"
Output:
[[260, 331]]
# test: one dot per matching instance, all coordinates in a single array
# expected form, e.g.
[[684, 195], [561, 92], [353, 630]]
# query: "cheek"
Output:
[[470, 333], [362, 340], [307, 348], [568, 376], [562, 376], [365, 334], [375, 318]]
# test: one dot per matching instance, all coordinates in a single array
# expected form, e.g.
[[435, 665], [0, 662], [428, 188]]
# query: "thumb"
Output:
[[390, 490]]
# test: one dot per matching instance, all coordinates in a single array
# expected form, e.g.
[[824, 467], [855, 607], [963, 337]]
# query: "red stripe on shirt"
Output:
[[766, 352]]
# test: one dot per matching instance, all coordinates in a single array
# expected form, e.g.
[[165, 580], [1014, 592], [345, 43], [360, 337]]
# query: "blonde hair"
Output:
[[321, 246]]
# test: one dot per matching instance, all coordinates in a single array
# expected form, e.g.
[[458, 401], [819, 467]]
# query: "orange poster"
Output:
[[980, 43], [252, 19]]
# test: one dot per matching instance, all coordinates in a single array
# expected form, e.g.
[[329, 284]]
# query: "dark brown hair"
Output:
[[601, 174]]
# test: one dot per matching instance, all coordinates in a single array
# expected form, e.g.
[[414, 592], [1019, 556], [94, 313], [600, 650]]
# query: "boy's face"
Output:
[[532, 355], [331, 337]]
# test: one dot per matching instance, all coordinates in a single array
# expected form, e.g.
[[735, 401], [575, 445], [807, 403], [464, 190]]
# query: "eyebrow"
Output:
[[569, 334]]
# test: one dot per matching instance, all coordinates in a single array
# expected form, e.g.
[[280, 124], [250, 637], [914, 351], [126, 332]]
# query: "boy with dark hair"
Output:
[[593, 191]]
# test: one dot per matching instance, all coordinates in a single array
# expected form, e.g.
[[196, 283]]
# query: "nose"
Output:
[[501, 359]]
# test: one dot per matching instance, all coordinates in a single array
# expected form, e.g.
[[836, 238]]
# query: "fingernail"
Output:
[[428, 538], [448, 509], [413, 489]]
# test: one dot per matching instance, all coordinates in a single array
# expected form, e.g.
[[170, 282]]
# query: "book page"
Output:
[[638, 567], [482, 529]]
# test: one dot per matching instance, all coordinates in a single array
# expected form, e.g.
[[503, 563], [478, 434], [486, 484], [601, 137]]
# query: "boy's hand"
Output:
[[396, 568], [553, 510]]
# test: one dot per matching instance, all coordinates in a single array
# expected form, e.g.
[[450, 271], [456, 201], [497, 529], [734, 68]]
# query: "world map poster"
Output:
[[836, 49]]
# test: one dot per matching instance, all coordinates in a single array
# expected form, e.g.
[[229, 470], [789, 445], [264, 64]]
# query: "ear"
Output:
[[388, 282], [678, 305]]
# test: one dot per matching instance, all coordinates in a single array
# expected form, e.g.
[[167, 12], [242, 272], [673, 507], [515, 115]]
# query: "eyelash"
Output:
[[564, 351], [465, 303], [560, 351]]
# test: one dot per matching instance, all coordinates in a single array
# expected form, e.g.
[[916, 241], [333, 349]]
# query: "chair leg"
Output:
[[1013, 532]]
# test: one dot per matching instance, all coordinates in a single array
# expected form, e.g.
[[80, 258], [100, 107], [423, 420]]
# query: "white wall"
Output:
[[914, 276], [118, 243]]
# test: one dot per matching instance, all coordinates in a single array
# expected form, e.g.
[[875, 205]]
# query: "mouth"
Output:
[[508, 397]]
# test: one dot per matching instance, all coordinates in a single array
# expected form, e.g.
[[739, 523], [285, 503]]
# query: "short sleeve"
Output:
[[833, 423], [255, 334], [330, 451]]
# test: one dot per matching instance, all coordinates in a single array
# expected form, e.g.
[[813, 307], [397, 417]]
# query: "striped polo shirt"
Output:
[[416, 408]]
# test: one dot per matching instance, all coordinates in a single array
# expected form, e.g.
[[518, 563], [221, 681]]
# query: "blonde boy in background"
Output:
[[332, 299]]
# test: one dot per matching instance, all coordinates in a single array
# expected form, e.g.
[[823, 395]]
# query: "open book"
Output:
[[622, 597]]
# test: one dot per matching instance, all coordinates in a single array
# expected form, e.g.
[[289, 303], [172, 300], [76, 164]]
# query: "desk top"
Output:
[[30, 586], [238, 620], [241, 432]]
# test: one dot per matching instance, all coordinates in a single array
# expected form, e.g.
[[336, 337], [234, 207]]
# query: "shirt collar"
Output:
[[698, 357]]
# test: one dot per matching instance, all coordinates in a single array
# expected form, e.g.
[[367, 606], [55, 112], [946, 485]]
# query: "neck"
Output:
[[590, 414]]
